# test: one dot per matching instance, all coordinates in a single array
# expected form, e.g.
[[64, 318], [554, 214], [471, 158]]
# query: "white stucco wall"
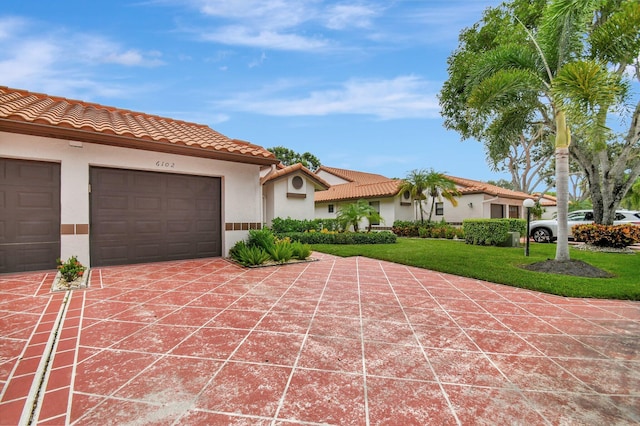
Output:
[[280, 204], [330, 178], [390, 210], [241, 191], [472, 206]]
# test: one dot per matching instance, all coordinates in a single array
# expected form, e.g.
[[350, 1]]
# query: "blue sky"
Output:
[[354, 82]]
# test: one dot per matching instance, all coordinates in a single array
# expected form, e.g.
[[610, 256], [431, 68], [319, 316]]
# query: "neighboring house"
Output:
[[289, 192], [114, 186], [349, 186], [477, 199]]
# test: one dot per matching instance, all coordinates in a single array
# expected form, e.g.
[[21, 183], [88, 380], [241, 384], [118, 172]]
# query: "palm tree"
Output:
[[415, 183], [439, 186], [352, 214], [547, 71]]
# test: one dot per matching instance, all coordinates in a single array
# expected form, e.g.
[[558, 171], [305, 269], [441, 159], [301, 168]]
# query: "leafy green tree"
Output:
[[503, 183], [288, 157], [352, 214], [537, 70], [631, 201], [416, 184], [438, 187]]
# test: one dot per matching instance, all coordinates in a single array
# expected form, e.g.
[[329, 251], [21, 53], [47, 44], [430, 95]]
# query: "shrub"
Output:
[[491, 231], [281, 251], [288, 225], [262, 238], [249, 255], [403, 228], [383, 237], [301, 251], [71, 269], [616, 236]]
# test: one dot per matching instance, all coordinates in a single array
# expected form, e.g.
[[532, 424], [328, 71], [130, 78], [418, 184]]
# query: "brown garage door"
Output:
[[141, 216], [29, 215]]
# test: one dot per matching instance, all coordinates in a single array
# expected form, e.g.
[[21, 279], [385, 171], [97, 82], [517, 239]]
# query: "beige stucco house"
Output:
[[114, 186], [477, 199], [349, 186], [289, 192]]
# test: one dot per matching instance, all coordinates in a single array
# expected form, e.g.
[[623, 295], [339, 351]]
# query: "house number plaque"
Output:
[[165, 164]]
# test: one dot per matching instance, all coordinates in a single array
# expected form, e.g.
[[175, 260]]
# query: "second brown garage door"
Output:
[[141, 216]]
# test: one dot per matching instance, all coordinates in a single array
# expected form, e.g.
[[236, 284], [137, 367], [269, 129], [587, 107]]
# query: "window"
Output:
[[330, 208], [297, 182], [406, 195], [514, 212], [439, 209], [375, 205]]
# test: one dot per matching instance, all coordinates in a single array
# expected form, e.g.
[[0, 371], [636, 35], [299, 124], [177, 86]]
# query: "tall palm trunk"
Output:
[[563, 139]]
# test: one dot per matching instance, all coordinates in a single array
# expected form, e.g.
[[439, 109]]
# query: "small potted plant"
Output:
[[69, 272]]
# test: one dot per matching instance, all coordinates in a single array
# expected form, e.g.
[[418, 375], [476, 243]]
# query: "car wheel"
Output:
[[541, 235]]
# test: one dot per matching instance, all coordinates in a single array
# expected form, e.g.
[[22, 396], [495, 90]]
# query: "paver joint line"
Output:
[[33, 404]]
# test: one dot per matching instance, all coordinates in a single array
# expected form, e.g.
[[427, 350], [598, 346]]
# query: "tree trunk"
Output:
[[563, 140], [562, 187]]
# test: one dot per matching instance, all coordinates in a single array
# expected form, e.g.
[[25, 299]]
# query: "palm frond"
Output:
[[585, 85], [617, 39], [503, 88]]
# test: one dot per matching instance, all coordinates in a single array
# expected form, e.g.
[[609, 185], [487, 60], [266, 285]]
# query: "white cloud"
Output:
[[264, 13], [10, 25], [398, 98], [63, 62], [266, 39], [282, 24], [342, 16]]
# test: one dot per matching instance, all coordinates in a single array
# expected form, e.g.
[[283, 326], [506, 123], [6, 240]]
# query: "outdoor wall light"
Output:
[[528, 203], [470, 205]]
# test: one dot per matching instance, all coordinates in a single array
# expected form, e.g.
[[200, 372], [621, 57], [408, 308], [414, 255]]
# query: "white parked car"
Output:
[[543, 231]]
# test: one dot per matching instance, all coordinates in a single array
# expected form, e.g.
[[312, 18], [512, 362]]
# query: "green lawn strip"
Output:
[[501, 265]]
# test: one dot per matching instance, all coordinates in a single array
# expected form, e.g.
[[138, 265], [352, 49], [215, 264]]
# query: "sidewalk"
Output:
[[337, 341]]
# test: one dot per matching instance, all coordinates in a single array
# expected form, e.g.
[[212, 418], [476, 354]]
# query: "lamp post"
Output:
[[528, 203]]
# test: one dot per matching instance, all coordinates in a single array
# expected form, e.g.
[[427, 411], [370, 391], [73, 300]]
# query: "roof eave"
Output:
[[67, 133]]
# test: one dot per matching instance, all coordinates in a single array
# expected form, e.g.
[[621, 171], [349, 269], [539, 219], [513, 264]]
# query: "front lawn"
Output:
[[501, 265]]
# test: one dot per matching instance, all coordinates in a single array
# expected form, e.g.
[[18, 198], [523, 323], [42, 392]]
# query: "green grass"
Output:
[[502, 265]]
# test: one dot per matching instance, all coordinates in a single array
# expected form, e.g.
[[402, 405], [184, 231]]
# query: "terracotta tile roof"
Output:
[[546, 200], [43, 115], [469, 186], [284, 171], [368, 185], [355, 190], [354, 176]]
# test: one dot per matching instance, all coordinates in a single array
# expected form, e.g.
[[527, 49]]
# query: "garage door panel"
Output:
[[111, 229], [206, 247], [35, 200], [32, 231], [159, 220], [179, 226], [112, 202], [205, 226], [180, 204], [30, 212], [141, 227]]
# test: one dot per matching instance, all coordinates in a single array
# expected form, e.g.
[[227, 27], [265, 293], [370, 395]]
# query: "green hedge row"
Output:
[[404, 228], [383, 237], [492, 232], [283, 226]]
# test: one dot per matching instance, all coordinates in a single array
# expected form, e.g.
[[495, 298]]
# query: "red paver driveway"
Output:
[[338, 341]]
